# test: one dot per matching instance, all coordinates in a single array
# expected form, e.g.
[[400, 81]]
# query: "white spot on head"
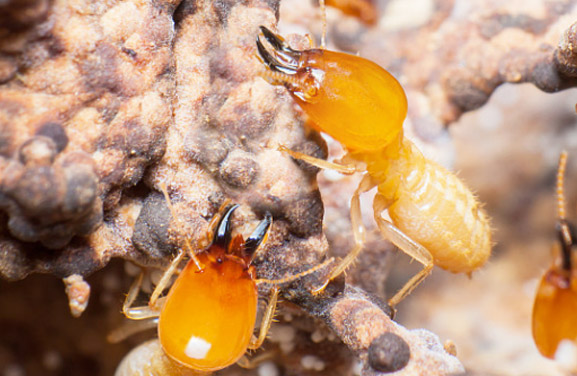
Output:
[[197, 348]]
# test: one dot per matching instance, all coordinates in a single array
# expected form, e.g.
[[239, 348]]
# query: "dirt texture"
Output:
[[105, 104]]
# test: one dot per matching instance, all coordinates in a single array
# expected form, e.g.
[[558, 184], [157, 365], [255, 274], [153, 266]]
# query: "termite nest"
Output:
[[101, 104]]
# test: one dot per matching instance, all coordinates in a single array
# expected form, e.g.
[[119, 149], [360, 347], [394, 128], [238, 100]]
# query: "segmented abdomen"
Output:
[[434, 208]]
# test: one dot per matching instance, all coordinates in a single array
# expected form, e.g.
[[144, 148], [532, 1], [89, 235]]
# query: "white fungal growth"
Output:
[[311, 362], [268, 369]]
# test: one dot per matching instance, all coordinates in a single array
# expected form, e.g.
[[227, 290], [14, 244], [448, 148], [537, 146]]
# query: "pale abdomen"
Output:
[[434, 208]]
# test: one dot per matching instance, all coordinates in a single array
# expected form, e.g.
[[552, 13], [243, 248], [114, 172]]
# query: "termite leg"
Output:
[[137, 313], [320, 163], [165, 280], [254, 362], [266, 320], [405, 244], [130, 328], [255, 342], [294, 277], [359, 231]]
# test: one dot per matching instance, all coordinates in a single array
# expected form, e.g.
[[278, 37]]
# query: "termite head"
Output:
[[291, 68], [352, 99]]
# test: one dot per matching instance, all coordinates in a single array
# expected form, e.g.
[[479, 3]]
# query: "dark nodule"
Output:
[[151, 228], [56, 132], [389, 353]]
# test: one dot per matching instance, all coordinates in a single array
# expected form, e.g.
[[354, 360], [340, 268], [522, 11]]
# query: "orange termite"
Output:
[[206, 321], [434, 217], [555, 308], [364, 10]]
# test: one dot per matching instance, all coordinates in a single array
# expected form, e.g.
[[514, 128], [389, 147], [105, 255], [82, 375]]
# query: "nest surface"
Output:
[[104, 103]]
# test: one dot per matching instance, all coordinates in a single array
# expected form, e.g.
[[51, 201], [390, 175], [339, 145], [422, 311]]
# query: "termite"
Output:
[[434, 217], [555, 304], [364, 10], [206, 321]]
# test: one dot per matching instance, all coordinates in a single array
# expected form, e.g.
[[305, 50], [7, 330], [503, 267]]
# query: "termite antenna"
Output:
[[560, 191], [189, 248], [323, 9], [564, 232]]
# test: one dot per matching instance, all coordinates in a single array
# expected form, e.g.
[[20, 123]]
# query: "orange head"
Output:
[[556, 300], [208, 318], [352, 99], [555, 304], [364, 10]]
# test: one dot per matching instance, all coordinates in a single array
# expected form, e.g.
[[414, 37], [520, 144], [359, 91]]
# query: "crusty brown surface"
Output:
[[103, 103]]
